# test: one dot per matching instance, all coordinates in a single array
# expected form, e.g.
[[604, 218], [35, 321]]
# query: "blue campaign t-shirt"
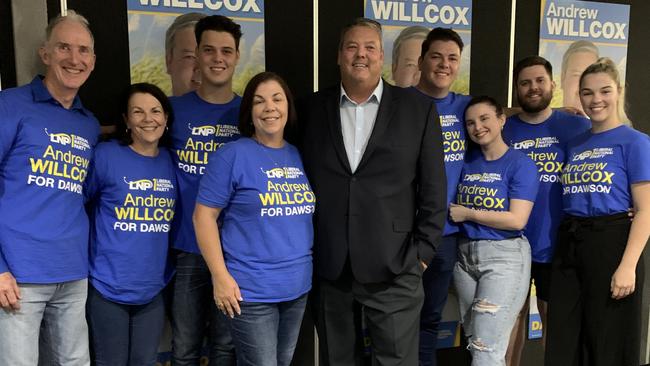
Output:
[[545, 144], [45, 152], [600, 168], [267, 231], [132, 198], [199, 129], [451, 110], [490, 185]]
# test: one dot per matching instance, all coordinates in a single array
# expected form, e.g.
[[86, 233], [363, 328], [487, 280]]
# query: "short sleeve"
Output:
[[217, 184], [638, 164], [524, 181]]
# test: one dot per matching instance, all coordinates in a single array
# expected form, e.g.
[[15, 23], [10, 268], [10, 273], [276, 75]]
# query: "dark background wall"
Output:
[[289, 45]]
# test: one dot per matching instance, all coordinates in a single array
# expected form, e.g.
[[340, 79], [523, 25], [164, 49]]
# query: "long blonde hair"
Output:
[[607, 66]]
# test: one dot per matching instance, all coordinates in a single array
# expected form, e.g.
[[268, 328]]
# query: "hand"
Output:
[[226, 294], [459, 213], [9, 292], [622, 284]]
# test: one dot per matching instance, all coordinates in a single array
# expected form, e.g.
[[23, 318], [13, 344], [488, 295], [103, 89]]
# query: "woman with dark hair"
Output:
[[260, 257], [497, 188], [597, 272], [131, 190]]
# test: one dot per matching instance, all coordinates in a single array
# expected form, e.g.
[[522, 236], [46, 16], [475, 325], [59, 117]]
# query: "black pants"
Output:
[[585, 325], [391, 315]]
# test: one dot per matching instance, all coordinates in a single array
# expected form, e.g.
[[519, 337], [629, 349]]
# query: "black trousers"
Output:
[[391, 313], [585, 325]]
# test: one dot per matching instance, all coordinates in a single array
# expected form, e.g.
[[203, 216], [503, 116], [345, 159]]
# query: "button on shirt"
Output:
[[357, 122]]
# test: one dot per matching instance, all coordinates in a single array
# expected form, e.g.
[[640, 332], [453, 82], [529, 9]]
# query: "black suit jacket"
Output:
[[388, 213]]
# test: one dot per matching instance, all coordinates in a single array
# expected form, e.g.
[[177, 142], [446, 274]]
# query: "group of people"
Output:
[[388, 194]]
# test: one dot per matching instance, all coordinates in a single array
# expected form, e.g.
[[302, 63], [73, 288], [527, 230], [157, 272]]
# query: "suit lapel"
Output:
[[334, 123], [384, 115]]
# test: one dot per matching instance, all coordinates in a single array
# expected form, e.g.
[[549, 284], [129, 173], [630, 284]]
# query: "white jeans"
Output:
[[50, 327], [492, 279]]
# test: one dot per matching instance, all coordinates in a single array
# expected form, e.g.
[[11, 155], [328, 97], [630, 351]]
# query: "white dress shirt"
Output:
[[357, 122]]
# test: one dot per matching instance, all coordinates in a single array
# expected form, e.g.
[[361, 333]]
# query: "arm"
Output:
[[432, 190], [623, 280], [513, 219], [226, 290], [9, 290]]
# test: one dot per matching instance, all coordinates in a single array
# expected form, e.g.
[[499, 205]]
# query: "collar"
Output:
[[41, 95], [374, 97]]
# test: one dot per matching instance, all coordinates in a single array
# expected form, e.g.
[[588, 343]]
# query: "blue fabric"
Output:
[[267, 231], [192, 307], [199, 129], [601, 167], [45, 152], [265, 334], [490, 185], [451, 111], [435, 282], [133, 199], [545, 144], [124, 334]]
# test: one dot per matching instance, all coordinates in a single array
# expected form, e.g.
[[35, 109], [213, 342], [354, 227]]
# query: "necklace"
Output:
[[265, 149]]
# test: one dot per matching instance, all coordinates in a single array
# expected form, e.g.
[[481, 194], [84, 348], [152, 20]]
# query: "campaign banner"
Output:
[[148, 21], [573, 34], [413, 19]]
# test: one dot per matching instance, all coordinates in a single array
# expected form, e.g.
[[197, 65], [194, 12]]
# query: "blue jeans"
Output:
[[435, 281], [194, 312], [265, 334], [492, 279], [121, 334], [57, 312]]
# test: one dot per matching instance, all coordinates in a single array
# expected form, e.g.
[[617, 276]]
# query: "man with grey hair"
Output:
[[46, 144], [406, 52], [180, 54], [373, 154]]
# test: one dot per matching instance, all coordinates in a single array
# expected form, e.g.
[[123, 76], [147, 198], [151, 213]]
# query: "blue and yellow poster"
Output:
[[149, 20], [573, 34], [413, 16]]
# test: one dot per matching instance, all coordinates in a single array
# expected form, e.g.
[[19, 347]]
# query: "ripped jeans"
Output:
[[492, 279]]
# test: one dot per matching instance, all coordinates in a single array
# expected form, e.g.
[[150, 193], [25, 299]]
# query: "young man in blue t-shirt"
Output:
[[439, 63], [47, 139], [204, 120], [541, 133]]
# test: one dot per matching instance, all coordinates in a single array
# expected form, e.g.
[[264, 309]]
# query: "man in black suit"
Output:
[[374, 156]]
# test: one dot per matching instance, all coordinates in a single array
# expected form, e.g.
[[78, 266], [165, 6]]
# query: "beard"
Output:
[[539, 106]]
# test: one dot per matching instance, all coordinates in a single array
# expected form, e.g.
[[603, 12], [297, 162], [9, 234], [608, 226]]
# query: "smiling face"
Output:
[[439, 67], [361, 57], [69, 58], [146, 119], [534, 89], [405, 69], [483, 124], [270, 111], [599, 96], [217, 57], [181, 62]]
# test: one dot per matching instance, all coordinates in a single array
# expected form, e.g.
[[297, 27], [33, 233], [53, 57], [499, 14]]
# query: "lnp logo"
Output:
[[223, 130], [158, 185], [485, 177], [285, 172], [594, 153], [205, 130], [523, 145], [71, 140]]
